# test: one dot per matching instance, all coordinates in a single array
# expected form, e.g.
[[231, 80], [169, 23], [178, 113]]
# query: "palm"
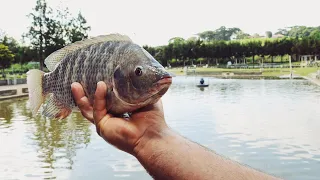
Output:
[[126, 133], [120, 132]]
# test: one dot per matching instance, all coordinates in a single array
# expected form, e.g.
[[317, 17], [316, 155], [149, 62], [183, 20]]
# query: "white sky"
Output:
[[155, 22]]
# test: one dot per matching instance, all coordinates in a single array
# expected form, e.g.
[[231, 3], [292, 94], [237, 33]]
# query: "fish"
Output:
[[134, 78]]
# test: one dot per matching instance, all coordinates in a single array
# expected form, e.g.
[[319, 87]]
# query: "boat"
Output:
[[202, 85]]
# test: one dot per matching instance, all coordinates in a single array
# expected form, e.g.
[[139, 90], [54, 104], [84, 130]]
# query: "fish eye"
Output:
[[138, 71]]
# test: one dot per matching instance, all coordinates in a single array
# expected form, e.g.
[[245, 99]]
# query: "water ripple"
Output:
[[269, 125]]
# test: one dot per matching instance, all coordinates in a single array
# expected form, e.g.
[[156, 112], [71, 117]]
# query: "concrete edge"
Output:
[[12, 97], [313, 80]]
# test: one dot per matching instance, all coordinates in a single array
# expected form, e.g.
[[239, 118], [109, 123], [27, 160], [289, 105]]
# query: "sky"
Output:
[[150, 22]]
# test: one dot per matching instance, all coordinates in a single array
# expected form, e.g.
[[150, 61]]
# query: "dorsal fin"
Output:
[[54, 58]]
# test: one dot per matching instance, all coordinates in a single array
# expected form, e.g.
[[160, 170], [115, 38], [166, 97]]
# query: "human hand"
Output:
[[125, 134]]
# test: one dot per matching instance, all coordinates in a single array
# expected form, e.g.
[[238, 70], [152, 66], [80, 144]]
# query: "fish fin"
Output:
[[55, 109], [34, 83], [76, 109], [52, 61]]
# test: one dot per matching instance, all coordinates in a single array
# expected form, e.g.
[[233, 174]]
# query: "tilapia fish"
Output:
[[133, 77]]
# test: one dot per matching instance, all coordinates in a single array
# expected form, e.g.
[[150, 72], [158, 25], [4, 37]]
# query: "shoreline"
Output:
[[299, 74], [243, 76], [21, 90], [246, 77], [312, 78], [13, 91]]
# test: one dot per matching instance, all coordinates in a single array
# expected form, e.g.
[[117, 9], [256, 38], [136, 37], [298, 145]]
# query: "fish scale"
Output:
[[135, 79], [89, 68]]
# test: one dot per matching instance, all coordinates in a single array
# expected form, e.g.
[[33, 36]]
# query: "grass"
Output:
[[9, 76], [266, 71], [306, 71]]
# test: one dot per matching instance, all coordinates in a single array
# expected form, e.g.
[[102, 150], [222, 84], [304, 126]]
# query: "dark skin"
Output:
[[164, 153], [120, 132]]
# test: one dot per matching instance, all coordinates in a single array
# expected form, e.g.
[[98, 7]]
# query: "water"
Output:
[[271, 125]]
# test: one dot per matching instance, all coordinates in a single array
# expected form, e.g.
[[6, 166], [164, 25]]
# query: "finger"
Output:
[[87, 112], [99, 106], [77, 91], [100, 96], [82, 101], [79, 96]]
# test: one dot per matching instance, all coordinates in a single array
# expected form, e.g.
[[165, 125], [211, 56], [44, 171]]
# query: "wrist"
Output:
[[153, 143]]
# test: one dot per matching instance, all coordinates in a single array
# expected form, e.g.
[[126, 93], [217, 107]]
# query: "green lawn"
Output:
[[8, 76], [306, 71], [266, 71], [284, 71]]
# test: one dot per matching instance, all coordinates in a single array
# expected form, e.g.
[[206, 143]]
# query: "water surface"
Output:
[[271, 125]]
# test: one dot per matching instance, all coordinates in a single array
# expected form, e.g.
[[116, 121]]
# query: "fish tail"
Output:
[[35, 84]]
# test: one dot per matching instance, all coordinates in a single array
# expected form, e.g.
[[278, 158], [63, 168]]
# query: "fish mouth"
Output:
[[162, 85], [164, 80]]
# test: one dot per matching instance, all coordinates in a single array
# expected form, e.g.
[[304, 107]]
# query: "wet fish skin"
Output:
[[134, 78]]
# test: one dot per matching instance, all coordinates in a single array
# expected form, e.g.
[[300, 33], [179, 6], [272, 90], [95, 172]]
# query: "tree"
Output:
[[253, 48], [6, 57], [221, 33], [207, 35], [79, 29], [255, 35], [12, 45], [38, 30], [300, 31], [241, 35], [268, 34], [236, 50], [282, 32], [224, 33], [22, 54], [51, 30], [315, 34], [177, 48], [283, 47], [55, 35]]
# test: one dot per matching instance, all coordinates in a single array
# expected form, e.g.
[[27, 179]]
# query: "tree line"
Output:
[[50, 30], [54, 28], [218, 47]]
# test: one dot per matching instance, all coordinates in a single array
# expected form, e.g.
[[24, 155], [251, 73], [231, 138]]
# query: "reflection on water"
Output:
[[37, 147], [271, 125], [6, 114]]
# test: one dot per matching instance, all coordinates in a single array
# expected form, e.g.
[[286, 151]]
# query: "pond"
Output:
[[270, 125]]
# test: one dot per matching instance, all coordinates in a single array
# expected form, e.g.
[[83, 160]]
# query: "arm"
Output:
[[163, 153], [167, 155]]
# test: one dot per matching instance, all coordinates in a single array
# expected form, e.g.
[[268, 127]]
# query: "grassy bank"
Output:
[[12, 76], [268, 72]]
